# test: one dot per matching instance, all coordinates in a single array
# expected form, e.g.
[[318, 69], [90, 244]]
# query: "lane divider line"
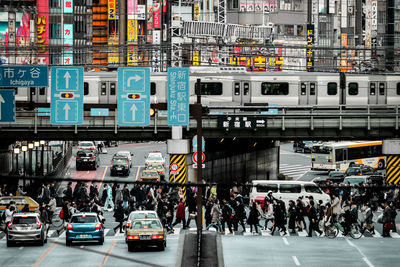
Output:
[[296, 261], [364, 258], [102, 178], [108, 253], [285, 241], [44, 255], [137, 173]]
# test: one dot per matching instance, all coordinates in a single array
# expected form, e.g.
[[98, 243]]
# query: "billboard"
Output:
[[42, 31], [68, 43]]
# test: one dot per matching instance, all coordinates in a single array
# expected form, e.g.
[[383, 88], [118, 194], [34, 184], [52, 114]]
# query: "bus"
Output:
[[338, 156]]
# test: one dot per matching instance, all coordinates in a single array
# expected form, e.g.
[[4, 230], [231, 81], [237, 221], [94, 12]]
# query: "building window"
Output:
[[398, 88], [274, 88], [372, 89], [332, 88], [103, 89], [42, 90], [112, 88], [85, 88], [300, 30], [381, 88], [211, 88], [353, 88], [237, 89], [312, 88]]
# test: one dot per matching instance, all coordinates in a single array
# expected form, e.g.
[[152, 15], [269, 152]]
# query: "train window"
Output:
[[16, 90], [112, 88], [332, 88], [381, 89], [353, 88], [152, 88], [85, 88], [372, 88], [398, 88], [312, 88], [303, 89], [237, 88], [274, 88], [211, 88], [103, 89], [42, 90], [32, 90], [246, 89]]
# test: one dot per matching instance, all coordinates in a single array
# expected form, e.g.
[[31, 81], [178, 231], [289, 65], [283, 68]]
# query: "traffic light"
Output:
[[67, 95], [133, 96]]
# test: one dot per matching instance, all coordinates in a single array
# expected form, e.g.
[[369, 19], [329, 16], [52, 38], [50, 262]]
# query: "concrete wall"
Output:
[[5, 159]]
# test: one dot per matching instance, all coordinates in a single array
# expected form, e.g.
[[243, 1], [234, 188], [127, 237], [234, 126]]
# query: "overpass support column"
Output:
[[178, 149], [391, 148], [5, 159]]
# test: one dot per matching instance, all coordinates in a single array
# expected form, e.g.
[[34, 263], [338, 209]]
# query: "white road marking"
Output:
[[118, 233], [21, 248], [247, 232], [50, 233], [361, 253], [377, 235], [282, 233], [62, 235], [106, 231], [285, 241], [296, 261], [302, 233], [265, 233], [394, 235]]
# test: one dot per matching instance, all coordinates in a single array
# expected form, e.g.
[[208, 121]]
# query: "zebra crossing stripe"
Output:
[[247, 232], [377, 235], [106, 231], [50, 233], [282, 233], [118, 233], [265, 233], [302, 233], [62, 235], [394, 235]]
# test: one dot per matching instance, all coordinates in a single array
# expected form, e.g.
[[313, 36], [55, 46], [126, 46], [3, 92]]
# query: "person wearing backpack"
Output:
[[227, 215], [65, 215]]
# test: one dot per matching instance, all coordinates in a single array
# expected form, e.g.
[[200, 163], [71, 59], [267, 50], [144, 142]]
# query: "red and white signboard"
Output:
[[194, 158], [174, 168]]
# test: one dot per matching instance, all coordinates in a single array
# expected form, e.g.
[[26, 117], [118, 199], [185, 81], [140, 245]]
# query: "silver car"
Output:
[[26, 227]]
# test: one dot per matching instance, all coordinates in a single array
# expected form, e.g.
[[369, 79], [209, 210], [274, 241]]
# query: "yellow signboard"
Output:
[[196, 58], [132, 30], [111, 9]]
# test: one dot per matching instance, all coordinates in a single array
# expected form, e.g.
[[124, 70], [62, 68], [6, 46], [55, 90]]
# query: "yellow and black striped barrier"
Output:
[[181, 177], [393, 169]]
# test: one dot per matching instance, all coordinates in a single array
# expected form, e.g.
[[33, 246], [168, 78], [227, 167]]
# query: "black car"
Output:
[[120, 165], [303, 146], [362, 170], [110, 143], [87, 159]]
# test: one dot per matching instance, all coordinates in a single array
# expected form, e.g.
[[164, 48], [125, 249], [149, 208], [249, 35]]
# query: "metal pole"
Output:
[[122, 32], [198, 116], [42, 159], [24, 163], [36, 159], [16, 164]]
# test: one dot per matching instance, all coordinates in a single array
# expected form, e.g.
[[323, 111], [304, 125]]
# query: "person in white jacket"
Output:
[[269, 216], [335, 203]]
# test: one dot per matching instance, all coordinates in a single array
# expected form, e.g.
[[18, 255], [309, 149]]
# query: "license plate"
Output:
[[85, 159], [145, 237], [83, 236], [119, 169]]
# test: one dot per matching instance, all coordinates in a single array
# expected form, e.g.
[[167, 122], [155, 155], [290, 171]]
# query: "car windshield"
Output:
[[321, 149], [86, 144], [336, 174], [143, 215], [157, 167], [150, 173], [155, 158], [24, 220], [7, 200], [84, 219], [354, 181], [266, 188], [125, 154], [119, 161], [148, 224], [353, 170]]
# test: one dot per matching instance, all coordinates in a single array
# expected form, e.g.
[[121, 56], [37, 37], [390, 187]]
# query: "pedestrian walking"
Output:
[[227, 215], [240, 212], [119, 216], [109, 201], [215, 215], [300, 212], [269, 216], [126, 196], [180, 214], [253, 218], [386, 220], [292, 217], [313, 217], [65, 215], [192, 208]]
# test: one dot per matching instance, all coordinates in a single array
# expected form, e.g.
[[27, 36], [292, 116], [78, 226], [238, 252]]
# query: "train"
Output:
[[221, 86]]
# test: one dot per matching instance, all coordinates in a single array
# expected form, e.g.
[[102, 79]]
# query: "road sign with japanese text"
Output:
[[178, 96], [7, 105], [24, 76], [66, 95]]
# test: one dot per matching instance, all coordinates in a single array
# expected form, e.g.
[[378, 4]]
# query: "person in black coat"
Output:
[[292, 216], [192, 207], [313, 217], [68, 192], [253, 218], [119, 216]]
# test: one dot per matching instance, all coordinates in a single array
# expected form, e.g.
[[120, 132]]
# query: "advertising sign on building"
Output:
[[111, 9], [343, 53], [149, 21], [310, 51], [42, 31], [156, 15], [68, 6], [68, 43]]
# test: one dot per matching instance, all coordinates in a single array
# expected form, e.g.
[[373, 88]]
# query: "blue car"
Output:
[[85, 226]]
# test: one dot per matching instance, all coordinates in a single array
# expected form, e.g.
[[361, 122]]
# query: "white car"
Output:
[[126, 154], [87, 145], [154, 157]]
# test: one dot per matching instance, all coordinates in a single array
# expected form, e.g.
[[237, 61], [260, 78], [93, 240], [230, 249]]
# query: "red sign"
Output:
[[174, 167], [157, 15], [194, 158], [42, 26]]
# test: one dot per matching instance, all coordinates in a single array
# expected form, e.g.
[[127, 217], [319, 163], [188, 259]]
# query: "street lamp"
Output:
[[24, 149]]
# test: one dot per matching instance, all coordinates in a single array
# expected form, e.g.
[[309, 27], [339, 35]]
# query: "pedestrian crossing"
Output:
[[294, 170]]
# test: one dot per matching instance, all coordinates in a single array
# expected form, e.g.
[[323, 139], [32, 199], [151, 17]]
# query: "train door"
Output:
[[377, 93], [37, 94], [308, 93], [242, 92], [108, 92]]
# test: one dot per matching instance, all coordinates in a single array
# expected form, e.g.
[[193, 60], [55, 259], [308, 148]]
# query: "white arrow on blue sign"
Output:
[[134, 96], [7, 106], [66, 96]]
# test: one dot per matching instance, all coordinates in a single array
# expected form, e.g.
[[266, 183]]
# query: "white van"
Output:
[[287, 190]]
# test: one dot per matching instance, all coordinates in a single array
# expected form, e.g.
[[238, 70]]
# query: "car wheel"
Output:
[[161, 247], [381, 165], [111, 173], [10, 243], [101, 242], [131, 247], [68, 242]]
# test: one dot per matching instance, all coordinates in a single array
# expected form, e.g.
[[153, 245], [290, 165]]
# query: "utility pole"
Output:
[[122, 33], [198, 115]]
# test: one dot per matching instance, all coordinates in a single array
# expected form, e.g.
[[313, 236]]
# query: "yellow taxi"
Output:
[[146, 232], [149, 175], [20, 202], [157, 167]]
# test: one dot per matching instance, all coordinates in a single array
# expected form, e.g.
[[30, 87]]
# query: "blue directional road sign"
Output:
[[7, 106], [24, 76], [66, 95], [134, 96], [178, 96], [99, 112]]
